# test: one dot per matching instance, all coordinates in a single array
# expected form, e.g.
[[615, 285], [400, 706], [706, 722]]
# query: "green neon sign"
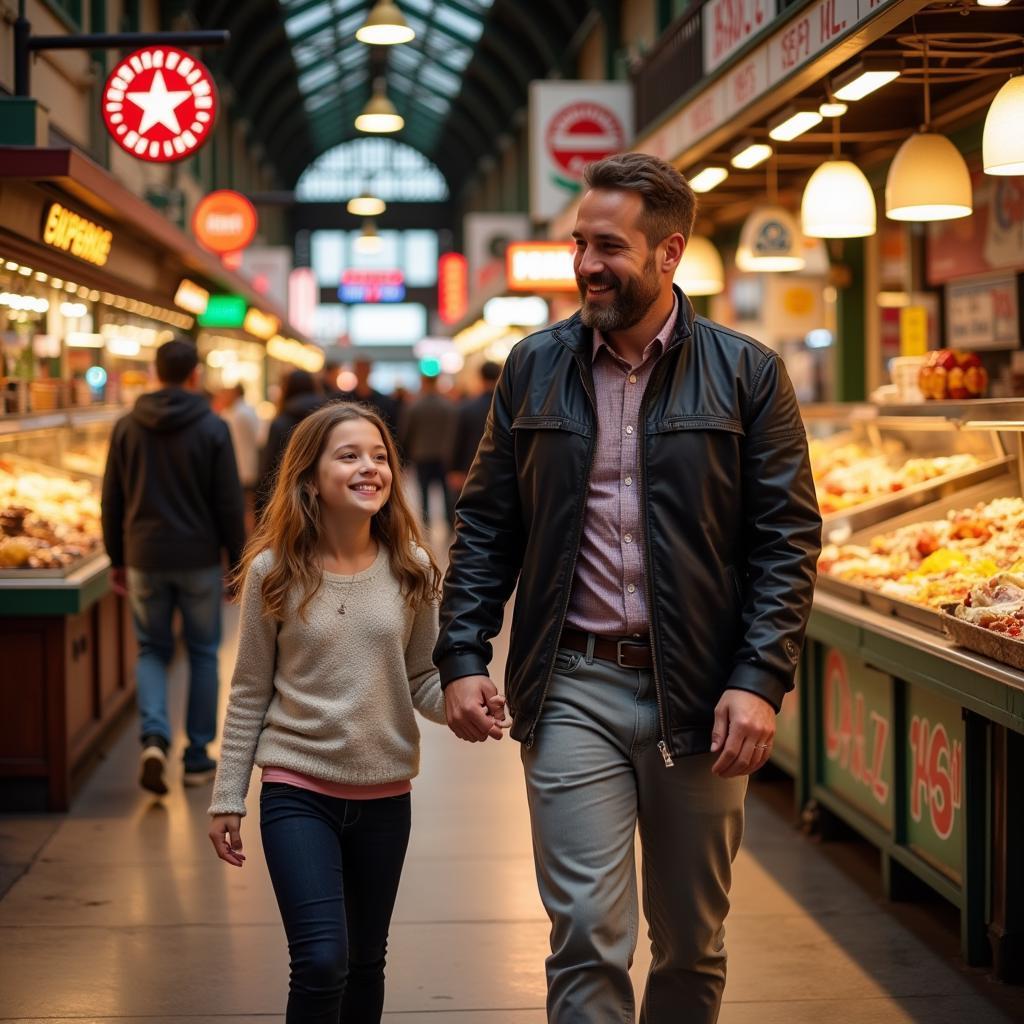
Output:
[[224, 311]]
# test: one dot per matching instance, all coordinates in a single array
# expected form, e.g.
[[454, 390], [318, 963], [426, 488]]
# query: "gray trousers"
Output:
[[593, 774]]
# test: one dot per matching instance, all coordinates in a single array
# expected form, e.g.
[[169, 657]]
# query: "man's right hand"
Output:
[[465, 706]]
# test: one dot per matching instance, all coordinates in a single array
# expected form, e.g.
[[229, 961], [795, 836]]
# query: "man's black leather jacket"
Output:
[[731, 524]]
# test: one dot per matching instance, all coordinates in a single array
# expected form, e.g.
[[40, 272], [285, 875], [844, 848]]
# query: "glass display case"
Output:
[[942, 506], [51, 466]]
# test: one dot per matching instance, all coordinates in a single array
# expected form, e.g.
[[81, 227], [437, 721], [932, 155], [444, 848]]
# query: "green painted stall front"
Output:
[[899, 746]]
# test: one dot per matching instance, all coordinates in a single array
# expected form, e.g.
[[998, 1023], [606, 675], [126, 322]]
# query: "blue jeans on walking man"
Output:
[[154, 595]]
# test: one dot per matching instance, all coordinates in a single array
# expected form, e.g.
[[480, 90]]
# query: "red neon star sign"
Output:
[[159, 104]]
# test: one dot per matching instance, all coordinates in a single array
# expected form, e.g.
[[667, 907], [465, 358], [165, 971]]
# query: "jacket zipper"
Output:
[[663, 746], [576, 554]]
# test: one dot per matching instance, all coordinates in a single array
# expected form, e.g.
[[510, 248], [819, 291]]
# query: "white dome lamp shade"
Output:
[[770, 242], [928, 180], [379, 115], [838, 202], [385, 26], [700, 271], [1002, 143]]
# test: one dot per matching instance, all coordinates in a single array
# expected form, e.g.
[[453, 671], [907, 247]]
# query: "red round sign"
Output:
[[224, 221], [582, 132], [159, 104]]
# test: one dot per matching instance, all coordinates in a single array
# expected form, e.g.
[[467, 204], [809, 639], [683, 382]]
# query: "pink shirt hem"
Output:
[[338, 790]]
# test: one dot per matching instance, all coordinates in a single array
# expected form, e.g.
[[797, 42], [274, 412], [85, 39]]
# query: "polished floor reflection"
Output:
[[119, 912]]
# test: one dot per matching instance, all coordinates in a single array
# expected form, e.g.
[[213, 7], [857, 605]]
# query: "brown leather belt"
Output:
[[626, 653]]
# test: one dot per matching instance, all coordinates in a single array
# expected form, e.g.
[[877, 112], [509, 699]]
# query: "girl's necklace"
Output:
[[345, 593]]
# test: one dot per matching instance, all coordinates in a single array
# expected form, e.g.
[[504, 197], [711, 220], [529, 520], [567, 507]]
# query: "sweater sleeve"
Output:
[[424, 679], [112, 506], [252, 687]]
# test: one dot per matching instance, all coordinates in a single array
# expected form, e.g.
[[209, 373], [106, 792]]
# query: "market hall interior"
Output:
[[373, 201]]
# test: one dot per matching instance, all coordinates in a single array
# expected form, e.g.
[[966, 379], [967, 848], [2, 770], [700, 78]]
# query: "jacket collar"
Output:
[[579, 338]]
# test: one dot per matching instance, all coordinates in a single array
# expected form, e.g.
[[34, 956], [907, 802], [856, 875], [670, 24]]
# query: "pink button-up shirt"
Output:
[[608, 594]]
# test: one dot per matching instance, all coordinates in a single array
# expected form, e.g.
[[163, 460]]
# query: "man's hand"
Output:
[[743, 732], [226, 835], [119, 581], [465, 707]]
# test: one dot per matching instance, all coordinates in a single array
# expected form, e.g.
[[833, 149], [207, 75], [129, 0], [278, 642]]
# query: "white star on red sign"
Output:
[[158, 105]]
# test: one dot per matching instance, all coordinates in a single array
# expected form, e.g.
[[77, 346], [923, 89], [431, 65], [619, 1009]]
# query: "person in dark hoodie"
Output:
[[172, 504], [299, 397]]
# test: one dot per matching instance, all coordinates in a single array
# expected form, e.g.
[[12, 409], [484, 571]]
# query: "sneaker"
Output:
[[200, 770], [153, 766]]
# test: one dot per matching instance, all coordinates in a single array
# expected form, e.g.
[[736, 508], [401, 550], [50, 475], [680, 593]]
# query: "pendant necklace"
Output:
[[345, 593]]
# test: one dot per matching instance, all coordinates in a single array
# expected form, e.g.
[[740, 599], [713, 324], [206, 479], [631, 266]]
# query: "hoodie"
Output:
[[171, 496], [296, 409]]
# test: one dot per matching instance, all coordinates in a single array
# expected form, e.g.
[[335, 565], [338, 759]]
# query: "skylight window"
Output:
[[306, 21], [457, 22]]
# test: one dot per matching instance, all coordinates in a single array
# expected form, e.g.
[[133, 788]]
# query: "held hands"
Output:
[[226, 835], [743, 732], [474, 709]]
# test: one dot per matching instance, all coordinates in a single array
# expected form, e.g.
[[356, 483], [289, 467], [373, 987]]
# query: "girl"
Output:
[[338, 621]]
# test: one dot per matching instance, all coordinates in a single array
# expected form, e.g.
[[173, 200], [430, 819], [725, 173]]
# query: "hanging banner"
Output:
[[159, 104], [572, 124]]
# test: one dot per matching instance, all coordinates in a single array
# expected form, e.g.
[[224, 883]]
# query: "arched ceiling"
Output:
[[299, 76]]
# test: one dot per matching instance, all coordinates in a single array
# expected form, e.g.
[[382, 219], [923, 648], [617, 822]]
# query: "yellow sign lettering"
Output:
[[71, 233]]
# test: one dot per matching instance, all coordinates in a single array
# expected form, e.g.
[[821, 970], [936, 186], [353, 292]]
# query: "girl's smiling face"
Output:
[[353, 474]]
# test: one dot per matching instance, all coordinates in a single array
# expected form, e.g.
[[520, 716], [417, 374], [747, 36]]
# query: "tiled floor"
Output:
[[120, 912]]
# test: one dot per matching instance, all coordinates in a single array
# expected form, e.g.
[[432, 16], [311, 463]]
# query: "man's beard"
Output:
[[630, 302]]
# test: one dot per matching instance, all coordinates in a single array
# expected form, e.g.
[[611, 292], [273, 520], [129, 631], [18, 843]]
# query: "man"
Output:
[[329, 380], [469, 427], [244, 427], [384, 405], [644, 477], [172, 503], [426, 437]]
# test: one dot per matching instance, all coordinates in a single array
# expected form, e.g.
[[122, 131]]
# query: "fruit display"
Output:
[[953, 375], [938, 562], [46, 522], [851, 474]]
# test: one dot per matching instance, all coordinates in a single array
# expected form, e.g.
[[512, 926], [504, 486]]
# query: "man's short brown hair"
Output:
[[669, 203]]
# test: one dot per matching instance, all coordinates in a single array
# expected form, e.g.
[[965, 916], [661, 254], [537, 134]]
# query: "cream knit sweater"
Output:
[[332, 696]]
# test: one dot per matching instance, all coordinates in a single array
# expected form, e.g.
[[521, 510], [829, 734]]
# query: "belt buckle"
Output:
[[618, 652]]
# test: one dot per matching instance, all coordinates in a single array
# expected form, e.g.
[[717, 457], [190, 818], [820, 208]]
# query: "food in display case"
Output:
[[937, 562], [852, 474], [47, 521], [990, 619]]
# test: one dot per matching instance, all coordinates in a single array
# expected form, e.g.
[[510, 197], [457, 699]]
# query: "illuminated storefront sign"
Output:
[[302, 299], [191, 297], [288, 350], [516, 311], [261, 325], [224, 311], [67, 231], [159, 104], [452, 287], [540, 267], [224, 221], [372, 286]]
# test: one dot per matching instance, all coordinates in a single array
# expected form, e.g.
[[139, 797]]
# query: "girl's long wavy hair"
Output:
[[290, 526]]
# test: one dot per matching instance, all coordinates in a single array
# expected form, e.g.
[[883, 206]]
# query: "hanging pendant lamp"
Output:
[[770, 242], [1002, 143], [385, 26], [379, 115], [838, 202], [369, 242], [928, 180], [366, 205], [700, 271]]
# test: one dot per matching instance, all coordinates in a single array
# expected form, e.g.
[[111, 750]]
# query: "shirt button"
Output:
[[632, 378], [631, 589], [628, 481], [628, 538], [629, 430]]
